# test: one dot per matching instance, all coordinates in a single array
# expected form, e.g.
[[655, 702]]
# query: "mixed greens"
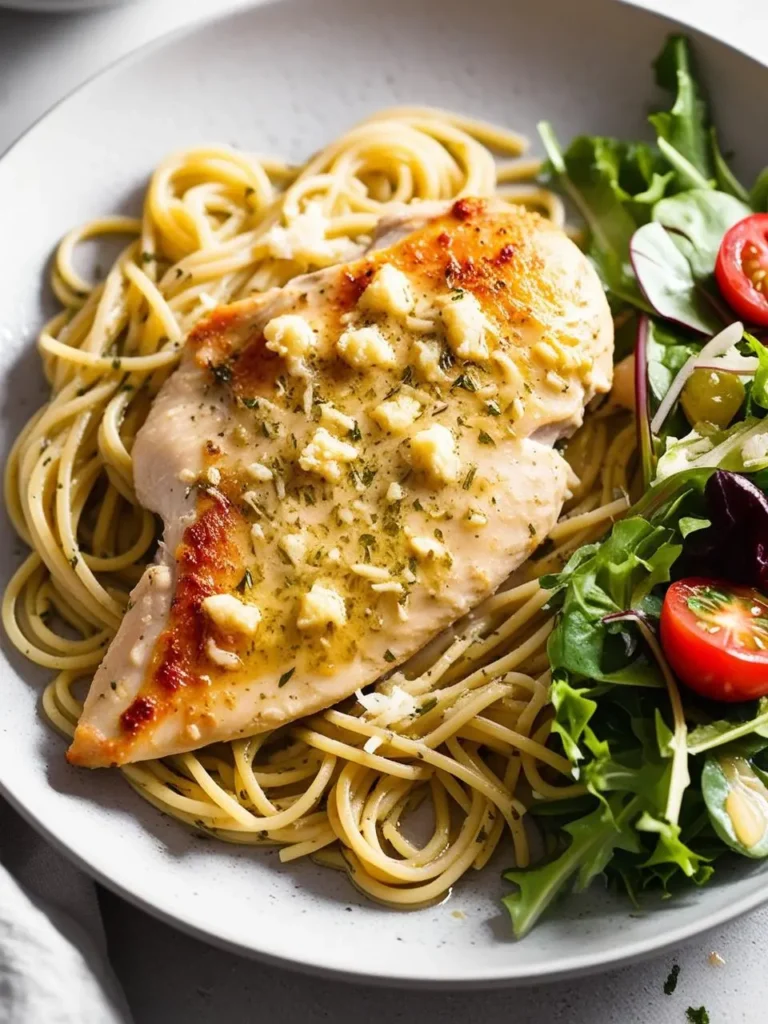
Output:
[[675, 773]]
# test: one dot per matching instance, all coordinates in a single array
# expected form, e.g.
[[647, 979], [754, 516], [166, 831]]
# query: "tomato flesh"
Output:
[[742, 268], [715, 637]]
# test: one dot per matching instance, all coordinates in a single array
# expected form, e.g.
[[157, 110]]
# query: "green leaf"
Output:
[[727, 777], [670, 849], [758, 197], [759, 392], [724, 176], [686, 126], [668, 282], [572, 713], [710, 448], [602, 580], [691, 524], [697, 221], [594, 838], [589, 172], [723, 731]]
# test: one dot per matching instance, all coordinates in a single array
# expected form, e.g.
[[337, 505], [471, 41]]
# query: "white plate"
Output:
[[288, 77]]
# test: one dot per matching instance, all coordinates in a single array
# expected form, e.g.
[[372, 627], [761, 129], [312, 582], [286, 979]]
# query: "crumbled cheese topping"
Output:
[[187, 476], [231, 614], [386, 708], [326, 455], [365, 348], [395, 492], [370, 572], [320, 607], [258, 471], [476, 518], [426, 357], [305, 239], [388, 587], [427, 547], [213, 476], [467, 327], [755, 449], [388, 292], [292, 338], [224, 659], [397, 414], [434, 451], [257, 537], [333, 418], [295, 546]]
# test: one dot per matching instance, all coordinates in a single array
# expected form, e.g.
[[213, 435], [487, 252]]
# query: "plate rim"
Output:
[[572, 966]]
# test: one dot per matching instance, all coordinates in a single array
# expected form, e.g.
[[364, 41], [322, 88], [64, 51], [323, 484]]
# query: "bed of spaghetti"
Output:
[[338, 786]]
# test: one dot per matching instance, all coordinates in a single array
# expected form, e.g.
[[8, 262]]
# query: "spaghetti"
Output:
[[342, 785]]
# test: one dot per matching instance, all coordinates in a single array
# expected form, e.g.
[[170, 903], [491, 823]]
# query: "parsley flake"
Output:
[[485, 438], [285, 677], [389, 656]]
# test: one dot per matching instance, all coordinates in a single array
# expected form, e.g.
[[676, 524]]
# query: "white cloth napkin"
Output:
[[53, 954]]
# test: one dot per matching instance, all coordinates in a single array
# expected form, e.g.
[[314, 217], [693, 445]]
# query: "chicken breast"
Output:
[[344, 467]]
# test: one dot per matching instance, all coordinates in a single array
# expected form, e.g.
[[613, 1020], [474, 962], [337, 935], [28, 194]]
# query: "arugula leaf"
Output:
[[594, 838], [724, 731], [572, 713], [608, 578], [686, 126], [671, 850], [724, 176], [589, 172]]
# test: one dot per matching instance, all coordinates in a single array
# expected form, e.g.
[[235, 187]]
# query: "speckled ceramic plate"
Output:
[[288, 77]]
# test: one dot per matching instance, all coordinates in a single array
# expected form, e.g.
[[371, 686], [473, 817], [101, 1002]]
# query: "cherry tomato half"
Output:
[[742, 268], [715, 637]]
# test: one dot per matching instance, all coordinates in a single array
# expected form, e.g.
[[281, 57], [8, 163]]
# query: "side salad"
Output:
[[660, 650]]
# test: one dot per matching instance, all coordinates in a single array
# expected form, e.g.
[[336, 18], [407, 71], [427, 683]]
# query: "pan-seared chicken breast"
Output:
[[344, 467]]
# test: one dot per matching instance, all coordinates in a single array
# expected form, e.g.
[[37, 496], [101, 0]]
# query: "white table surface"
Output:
[[169, 977]]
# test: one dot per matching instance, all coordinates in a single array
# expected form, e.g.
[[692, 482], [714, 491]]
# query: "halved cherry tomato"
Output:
[[715, 637], [742, 268]]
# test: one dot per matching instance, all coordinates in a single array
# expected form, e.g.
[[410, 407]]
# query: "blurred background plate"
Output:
[[287, 77]]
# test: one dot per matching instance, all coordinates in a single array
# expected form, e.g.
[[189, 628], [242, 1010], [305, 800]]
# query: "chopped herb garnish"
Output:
[[368, 476], [531, 529], [697, 1015], [492, 408], [246, 582], [469, 477], [439, 534], [367, 540], [116, 364], [465, 381], [389, 656], [445, 362], [458, 293], [407, 376], [148, 257], [354, 434], [222, 373], [265, 429], [481, 836], [485, 438], [73, 561], [418, 506], [285, 677], [251, 403], [671, 983], [113, 684], [429, 703]]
